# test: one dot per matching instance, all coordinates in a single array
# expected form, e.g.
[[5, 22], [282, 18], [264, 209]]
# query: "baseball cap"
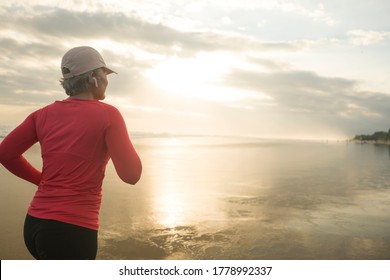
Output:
[[81, 60]]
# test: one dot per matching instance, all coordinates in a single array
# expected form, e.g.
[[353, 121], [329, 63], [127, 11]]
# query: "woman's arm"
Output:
[[14, 145], [126, 160]]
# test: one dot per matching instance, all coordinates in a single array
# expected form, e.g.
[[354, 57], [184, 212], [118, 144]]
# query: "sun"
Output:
[[199, 77]]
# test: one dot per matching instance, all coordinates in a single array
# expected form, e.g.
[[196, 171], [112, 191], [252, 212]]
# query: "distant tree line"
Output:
[[378, 136]]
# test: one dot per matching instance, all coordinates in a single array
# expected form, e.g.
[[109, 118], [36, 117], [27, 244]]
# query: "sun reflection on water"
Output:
[[170, 210], [179, 198], [169, 189]]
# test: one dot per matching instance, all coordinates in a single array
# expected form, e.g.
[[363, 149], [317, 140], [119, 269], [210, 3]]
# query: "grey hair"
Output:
[[81, 83]]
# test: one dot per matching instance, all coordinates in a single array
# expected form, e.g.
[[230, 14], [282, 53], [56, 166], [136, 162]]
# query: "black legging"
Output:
[[54, 240]]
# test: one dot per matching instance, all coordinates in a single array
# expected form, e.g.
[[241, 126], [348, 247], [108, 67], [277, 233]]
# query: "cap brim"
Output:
[[109, 71]]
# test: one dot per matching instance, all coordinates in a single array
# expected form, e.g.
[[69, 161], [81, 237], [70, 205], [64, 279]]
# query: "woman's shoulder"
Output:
[[111, 109], [86, 106]]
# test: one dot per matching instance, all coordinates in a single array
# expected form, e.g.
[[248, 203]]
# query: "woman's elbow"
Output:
[[132, 180], [133, 177]]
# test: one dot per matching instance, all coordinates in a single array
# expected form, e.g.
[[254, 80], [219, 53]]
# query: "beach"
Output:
[[233, 198]]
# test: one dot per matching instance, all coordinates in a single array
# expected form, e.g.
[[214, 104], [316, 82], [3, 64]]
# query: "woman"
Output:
[[78, 136]]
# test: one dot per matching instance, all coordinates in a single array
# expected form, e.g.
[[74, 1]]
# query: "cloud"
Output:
[[313, 11], [34, 39], [318, 13], [297, 90], [26, 72], [367, 37], [66, 25], [320, 98]]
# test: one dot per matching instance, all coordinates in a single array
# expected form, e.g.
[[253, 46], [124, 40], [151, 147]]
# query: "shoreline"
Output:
[[375, 142]]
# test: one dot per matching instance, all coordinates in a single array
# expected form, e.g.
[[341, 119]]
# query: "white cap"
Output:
[[81, 60]]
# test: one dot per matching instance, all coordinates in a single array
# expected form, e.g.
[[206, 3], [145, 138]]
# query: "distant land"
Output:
[[379, 137]]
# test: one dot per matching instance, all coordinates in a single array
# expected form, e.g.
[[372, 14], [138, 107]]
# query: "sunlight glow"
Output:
[[199, 77]]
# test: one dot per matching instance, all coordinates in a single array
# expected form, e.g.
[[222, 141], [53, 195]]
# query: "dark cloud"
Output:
[[325, 99], [13, 49], [301, 90], [27, 89], [26, 77], [61, 25]]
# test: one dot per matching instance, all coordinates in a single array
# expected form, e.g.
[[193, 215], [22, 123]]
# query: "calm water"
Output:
[[251, 199], [237, 198]]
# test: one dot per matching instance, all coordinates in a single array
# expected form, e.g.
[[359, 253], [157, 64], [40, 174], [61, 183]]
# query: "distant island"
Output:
[[379, 137]]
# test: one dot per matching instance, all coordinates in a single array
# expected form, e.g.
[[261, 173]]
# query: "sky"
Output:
[[272, 68]]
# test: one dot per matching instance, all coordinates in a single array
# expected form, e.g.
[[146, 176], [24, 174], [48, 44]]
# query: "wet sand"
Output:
[[234, 199]]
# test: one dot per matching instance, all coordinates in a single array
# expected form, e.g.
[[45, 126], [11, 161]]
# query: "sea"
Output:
[[218, 197]]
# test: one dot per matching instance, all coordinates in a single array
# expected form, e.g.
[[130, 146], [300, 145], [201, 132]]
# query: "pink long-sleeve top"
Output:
[[77, 138]]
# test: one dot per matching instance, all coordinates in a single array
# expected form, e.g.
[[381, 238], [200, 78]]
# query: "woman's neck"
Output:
[[84, 95]]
